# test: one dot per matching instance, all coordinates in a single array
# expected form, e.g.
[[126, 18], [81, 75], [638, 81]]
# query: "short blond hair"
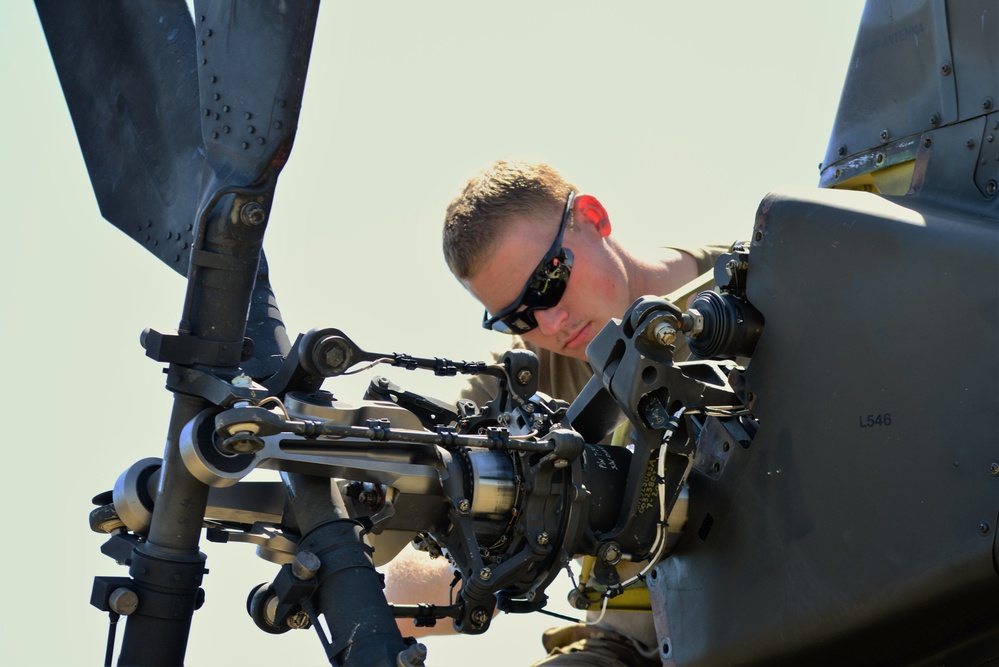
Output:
[[477, 216]]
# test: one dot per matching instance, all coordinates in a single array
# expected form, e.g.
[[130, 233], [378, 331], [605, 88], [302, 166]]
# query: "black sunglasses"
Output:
[[543, 290]]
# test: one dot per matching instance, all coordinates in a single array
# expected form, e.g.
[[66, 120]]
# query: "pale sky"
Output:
[[680, 117]]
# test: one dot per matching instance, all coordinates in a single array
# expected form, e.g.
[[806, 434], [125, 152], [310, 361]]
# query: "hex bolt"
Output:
[[464, 505], [123, 601], [413, 655], [524, 377], [252, 214], [306, 565], [543, 539], [610, 553], [485, 573]]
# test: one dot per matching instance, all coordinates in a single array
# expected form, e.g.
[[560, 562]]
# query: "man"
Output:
[[540, 256]]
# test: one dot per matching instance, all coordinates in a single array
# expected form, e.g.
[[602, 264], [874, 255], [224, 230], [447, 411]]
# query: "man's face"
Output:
[[596, 291]]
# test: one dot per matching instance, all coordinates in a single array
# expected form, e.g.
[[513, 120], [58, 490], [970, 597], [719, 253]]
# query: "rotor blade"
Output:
[[129, 75], [252, 61]]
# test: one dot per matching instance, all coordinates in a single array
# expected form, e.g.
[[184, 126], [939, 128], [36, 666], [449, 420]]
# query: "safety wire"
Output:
[[659, 544]]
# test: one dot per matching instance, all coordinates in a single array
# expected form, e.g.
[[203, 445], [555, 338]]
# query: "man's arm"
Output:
[[413, 577]]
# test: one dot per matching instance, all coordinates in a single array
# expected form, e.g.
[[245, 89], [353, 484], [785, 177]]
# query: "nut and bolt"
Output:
[[413, 655], [610, 553], [123, 601], [252, 214], [479, 617], [524, 377], [464, 505], [665, 333], [485, 573], [298, 621], [543, 539]]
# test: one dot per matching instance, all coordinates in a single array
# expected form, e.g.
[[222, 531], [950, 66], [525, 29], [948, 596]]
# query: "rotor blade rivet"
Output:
[[252, 213], [123, 601]]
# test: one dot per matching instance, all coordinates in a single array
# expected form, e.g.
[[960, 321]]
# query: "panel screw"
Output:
[[880, 159], [991, 187], [841, 151], [994, 468], [884, 135], [927, 142], [970, 143], [987, 103], [934, 120], [983, 528], [945, 68]]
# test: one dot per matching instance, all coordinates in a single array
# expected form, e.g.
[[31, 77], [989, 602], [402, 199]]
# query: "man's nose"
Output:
[[551, 320]]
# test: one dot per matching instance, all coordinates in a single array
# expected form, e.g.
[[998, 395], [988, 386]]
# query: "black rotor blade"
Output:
[[129, 74], [252, 61]]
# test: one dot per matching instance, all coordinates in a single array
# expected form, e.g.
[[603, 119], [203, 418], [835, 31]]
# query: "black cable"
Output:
[[113, 617], [561, 616]]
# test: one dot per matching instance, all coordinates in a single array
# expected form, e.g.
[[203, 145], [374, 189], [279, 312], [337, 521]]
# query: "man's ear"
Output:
[[588, 209]]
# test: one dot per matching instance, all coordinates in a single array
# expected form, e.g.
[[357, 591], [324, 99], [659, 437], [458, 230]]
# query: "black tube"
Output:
[[350, 597]]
